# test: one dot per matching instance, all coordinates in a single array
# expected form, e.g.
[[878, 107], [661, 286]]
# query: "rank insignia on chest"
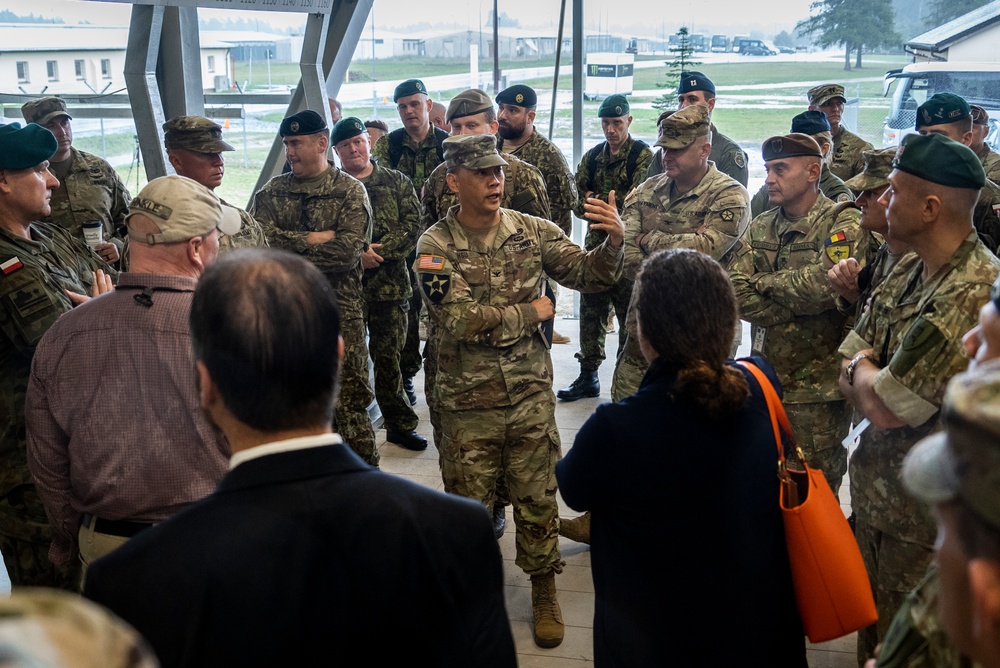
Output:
[[11, 265], [838, 248], [727, 215], [430, 263], [435, 286]]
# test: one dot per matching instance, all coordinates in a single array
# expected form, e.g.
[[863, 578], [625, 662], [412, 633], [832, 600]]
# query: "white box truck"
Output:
[[607, 74]]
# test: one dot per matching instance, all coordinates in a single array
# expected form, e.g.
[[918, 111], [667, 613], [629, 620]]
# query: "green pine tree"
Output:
[[682, 60]]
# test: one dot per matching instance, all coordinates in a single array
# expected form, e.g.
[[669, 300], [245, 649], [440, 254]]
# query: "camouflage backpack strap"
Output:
[[633, 159], [592, 163], [439, 137]]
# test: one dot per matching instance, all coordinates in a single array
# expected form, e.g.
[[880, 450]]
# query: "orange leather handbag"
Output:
[[832, 590]]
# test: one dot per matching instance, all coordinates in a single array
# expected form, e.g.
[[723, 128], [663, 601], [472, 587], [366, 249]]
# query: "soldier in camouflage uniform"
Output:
[[728, 157], [816, 125], [481, 272], [950, 115], [386, 279], [902, 352], [324, 215], [616, 165], [38, 263], [691, 205], [780, 277], [415, 150], [980, 129], [847, 146], [194, 148], [89, 188]]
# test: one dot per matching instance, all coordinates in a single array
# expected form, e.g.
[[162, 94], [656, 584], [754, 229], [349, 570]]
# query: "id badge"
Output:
[[759, 336]]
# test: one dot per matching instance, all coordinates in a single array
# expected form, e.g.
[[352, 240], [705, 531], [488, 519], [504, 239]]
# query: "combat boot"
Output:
[[549, 628], [577, 529], [587, 384], [499, 520]]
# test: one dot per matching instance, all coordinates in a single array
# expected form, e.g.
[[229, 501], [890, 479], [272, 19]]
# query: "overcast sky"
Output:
[[619, 16]]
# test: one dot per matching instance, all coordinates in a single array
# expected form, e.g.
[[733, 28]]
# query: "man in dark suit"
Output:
[[304, 554]]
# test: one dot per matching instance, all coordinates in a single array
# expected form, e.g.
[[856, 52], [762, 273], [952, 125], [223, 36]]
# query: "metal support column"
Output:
[[179, 65], [140, 77]]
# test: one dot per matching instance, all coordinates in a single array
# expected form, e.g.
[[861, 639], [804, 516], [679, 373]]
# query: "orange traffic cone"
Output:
[[225, 124]]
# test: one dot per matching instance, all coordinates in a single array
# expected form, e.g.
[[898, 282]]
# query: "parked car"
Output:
[[755, 47]]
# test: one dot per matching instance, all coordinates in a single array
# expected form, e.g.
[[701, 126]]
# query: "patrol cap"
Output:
[[790, 146], [681, 128], [979, 115], [347, 128], [306, 122], [44, 109], [472, 152], [963, 461], [182, 209], [937, 159], [409, 87], [820, 95], [194, 133], [692, 81], [519, 95], [468, 103], [21, 148], [942, 108], [878, 164], [811, 122], [613, 106]]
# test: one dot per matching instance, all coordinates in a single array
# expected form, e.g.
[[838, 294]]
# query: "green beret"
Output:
[[472, 151], [694, 81], [518, 95], [306, 122], [942, 108], [194, 133], [468, 103], [21, 148], [878, 164], [613, 106], [793, 145], [681, 128], [820, 95], [935, 158], [811, 122], [347, 128], [409, 87], [44, 109]]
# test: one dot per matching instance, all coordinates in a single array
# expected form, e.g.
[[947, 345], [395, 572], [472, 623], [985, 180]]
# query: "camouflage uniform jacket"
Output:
[[288, 208], [610, 173], [986, 215], [417, 160], [727, 155], [779, 274], [848, 160], [559, 182], [91, 191], [915, 330], [396, 226], [523, 190], [831, 187], [31, 298], [991, 163], [479, 299], [251, 234], [709, 218]]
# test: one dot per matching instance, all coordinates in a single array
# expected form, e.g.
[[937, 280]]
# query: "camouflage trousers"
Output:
[[895, 567], [409, 357], [386, 322], [630, 366], [519, 444], [351, 418], [594, 309], [25, 537], [819, 428]]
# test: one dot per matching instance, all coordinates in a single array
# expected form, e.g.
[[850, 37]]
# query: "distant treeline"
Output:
[[7, 16]]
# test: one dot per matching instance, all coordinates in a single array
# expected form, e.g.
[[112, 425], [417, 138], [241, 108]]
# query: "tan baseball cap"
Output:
[[181, 209], [472, 151], [44, 109], [681, 128]]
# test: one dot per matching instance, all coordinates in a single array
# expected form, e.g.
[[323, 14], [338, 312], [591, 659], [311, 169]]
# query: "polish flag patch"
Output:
[[11, 265]]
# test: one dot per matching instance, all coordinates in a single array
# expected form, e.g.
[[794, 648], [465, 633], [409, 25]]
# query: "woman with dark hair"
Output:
[[687, 464]]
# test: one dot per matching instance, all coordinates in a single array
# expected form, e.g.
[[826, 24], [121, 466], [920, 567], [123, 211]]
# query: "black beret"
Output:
[[519, 95], [790, 146], [811, 122], [937, 159], [409, 87], [692, 81], [21, 148], [347, 128], [306, 122]]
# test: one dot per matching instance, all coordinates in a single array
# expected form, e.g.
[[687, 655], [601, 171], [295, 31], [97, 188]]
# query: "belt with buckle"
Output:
[[120, 528]]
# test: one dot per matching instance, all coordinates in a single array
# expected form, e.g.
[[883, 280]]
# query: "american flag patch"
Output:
[[836, 238], [11, 265], [431, 262]]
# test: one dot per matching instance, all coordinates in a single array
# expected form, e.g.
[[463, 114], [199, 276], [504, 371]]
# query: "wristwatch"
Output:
[[849, 372]]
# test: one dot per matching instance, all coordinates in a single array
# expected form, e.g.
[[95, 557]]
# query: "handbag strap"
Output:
[[779, 418]]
